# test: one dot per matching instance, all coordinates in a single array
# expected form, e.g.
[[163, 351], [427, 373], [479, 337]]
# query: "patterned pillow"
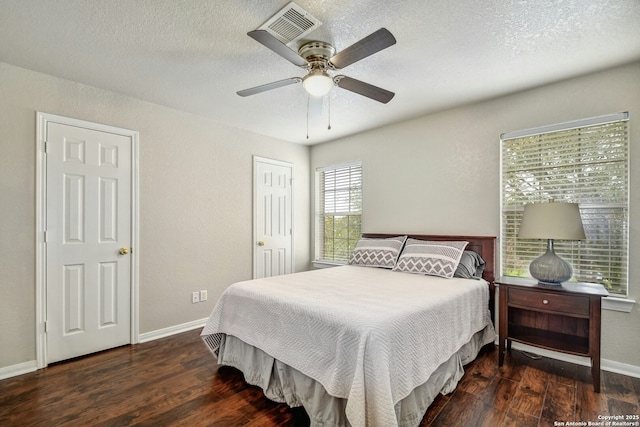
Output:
[[432, 258], [377, 252]]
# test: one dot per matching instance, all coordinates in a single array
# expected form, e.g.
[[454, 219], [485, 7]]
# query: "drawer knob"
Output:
[[545, 301]]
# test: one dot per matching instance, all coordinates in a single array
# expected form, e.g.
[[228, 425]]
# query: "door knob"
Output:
[[124, 251], [261, 243]]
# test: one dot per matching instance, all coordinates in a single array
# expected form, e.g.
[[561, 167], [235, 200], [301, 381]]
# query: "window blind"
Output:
[[579, 162], [339, 211]]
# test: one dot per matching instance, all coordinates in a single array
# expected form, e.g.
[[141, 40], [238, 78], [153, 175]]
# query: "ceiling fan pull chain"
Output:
[[308, 100], [329, 101]]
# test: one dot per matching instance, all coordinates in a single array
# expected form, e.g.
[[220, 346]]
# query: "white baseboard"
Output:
[[605, 364], [172, 330], [19, 369], [620, 368]]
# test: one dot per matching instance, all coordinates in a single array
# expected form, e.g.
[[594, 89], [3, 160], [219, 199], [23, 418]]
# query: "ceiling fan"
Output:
[[319, 58]]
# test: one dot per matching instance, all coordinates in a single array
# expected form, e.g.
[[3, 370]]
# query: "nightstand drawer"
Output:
[[535, 300]]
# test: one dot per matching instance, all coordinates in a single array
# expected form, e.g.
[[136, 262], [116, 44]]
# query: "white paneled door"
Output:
[[88, 240], [273, 218]]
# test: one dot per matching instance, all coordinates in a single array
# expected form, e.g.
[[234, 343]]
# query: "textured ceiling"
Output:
[[193, 55]]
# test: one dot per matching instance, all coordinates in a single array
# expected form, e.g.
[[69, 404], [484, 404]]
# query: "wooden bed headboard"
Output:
[[484, 245]]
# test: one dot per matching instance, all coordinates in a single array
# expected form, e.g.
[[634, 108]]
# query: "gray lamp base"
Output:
[[549, 268]]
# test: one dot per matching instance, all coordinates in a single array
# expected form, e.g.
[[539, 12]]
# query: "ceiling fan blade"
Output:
[[369, 45], [263, 37], [365, 89], [269, 86]]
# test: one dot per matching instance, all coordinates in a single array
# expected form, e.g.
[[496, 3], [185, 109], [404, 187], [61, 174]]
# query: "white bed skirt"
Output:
[[284, 384]]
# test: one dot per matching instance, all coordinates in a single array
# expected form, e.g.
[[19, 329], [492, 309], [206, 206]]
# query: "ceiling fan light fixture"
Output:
[[317, 83]]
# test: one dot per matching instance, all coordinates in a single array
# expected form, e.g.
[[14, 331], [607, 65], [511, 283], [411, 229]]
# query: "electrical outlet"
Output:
[[203, 295], [195, 297]]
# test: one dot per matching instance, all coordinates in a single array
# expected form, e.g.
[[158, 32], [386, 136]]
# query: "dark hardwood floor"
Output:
[[175, 381]]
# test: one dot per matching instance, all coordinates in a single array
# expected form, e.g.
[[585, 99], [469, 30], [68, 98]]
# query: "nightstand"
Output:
[[563, 318]]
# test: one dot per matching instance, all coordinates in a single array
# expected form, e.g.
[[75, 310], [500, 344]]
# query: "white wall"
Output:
[[195, 202], [440, 174]]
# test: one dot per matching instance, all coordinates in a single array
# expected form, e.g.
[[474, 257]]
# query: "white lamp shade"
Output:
[[552, 221], [317, 83]]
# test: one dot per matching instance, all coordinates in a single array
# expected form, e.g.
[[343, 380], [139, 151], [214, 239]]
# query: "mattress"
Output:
[[369, 336]]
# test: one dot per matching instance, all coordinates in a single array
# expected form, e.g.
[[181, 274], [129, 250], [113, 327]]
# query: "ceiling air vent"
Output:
[[290, 24]]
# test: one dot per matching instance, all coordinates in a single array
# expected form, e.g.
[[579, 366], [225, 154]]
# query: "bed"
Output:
[[366, 344]]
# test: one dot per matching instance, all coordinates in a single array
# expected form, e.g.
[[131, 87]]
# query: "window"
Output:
[[583, 162], [339, 211]]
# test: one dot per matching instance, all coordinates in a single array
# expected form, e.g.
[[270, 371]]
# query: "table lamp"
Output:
[[560, 221]]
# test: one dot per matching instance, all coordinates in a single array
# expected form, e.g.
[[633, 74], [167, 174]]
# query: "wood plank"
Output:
[[529, 397], [563, 372], [518, 419], [620, 387], [589, 404], [559, 403], [622, 407], [478, 375], [502, 391], [475, 410]]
